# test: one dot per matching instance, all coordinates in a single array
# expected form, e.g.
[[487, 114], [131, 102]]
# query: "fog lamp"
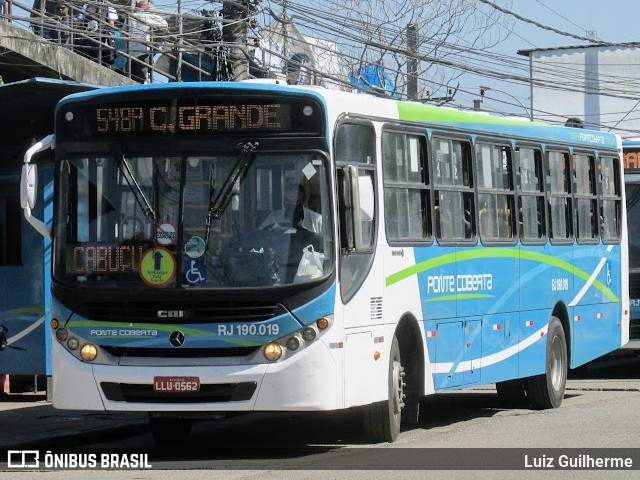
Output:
[[73, 343], [62, 334], [89, 352], [293, 343], [308, 334], [272, 351]]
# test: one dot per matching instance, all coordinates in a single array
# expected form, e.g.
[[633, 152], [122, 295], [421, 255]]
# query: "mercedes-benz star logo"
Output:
[[176, 338]]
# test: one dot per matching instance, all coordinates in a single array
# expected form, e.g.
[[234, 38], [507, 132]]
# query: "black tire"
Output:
[[170, 431], [547, 390], [512, 393], [382, 420]]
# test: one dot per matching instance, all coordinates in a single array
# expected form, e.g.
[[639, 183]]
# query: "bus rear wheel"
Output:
[[547, 390], [382, 420], [169, 431]]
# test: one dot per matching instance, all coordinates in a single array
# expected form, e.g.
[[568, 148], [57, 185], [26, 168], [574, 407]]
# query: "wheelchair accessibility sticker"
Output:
[[157, 267], [194, 271]]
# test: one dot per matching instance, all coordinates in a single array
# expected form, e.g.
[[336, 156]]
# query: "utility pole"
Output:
[[180, 31], [234, 35], [412, 61]]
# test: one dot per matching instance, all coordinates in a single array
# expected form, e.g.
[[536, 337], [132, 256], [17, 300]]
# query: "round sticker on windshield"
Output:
[[166, 234], [157, 267], [194, 247]]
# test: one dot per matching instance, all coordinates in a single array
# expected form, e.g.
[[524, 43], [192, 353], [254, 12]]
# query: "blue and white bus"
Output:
[[631, 149], [429, 250]]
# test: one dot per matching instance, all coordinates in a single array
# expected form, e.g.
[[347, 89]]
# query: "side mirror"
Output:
[[28, 185]]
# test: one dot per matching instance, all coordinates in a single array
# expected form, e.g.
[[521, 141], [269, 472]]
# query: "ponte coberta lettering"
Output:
[[459, 283]]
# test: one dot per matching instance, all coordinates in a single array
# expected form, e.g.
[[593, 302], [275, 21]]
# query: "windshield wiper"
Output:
[[219, 203], [138, 194], [221, 200]]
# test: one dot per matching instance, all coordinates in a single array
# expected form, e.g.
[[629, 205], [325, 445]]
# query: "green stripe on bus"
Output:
[[497, 253], [419, 112]]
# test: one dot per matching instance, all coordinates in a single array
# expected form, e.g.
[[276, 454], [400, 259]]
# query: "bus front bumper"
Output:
[[306, 381]]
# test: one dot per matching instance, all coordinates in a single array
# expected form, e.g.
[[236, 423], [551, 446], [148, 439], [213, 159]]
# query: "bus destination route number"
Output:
[[176, 384]]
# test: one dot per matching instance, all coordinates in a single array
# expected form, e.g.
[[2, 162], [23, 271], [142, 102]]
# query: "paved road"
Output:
[[598, 412]]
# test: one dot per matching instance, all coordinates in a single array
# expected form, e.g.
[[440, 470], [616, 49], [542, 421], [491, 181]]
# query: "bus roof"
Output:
[[339, 103]]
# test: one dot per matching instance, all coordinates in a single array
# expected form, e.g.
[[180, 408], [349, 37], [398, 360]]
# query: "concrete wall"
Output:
[[596, 84]]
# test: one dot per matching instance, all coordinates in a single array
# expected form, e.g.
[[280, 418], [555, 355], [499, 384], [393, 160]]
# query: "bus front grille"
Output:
[[158, 312], [179, 352], [208, 393]]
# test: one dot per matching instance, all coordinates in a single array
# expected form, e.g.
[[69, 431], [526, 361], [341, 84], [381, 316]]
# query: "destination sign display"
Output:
[[103, 259], [185, 116], [202, 118], [631, 159]]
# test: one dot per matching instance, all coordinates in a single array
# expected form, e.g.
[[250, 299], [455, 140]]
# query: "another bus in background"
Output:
[[631, 149]]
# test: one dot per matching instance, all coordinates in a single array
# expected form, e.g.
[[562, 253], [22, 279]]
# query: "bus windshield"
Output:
[[248, 220]]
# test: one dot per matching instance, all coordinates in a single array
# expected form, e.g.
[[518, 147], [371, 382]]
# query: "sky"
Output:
[[613, 21]]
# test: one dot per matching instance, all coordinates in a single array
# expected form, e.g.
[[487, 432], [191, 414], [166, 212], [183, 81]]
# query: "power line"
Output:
[[537, 24]]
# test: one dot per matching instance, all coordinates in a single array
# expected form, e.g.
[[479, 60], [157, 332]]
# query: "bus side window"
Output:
[[530, 185], [611, 201], [587, 221], [454, 202], [406, 186], [559, 191], [496, 197]]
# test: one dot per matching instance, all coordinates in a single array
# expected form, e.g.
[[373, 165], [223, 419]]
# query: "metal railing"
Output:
[[171, 57]]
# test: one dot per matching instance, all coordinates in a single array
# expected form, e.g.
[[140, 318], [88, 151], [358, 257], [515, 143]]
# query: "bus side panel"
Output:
[[547, 276], [532, 330], [449, 355], [436, 273], [596, 331], [597, 314], [364, 318], [22, 295], [487, 280], [499, 347]]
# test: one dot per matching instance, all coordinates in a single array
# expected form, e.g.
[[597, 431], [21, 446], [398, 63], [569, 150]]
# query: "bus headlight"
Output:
[[89, 352], [272, 351]]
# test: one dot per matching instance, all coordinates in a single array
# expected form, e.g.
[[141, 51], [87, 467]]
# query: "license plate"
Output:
[[176, 384]]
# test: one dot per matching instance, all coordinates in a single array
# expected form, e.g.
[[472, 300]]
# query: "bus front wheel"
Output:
[[382, 420], [547, 390]]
